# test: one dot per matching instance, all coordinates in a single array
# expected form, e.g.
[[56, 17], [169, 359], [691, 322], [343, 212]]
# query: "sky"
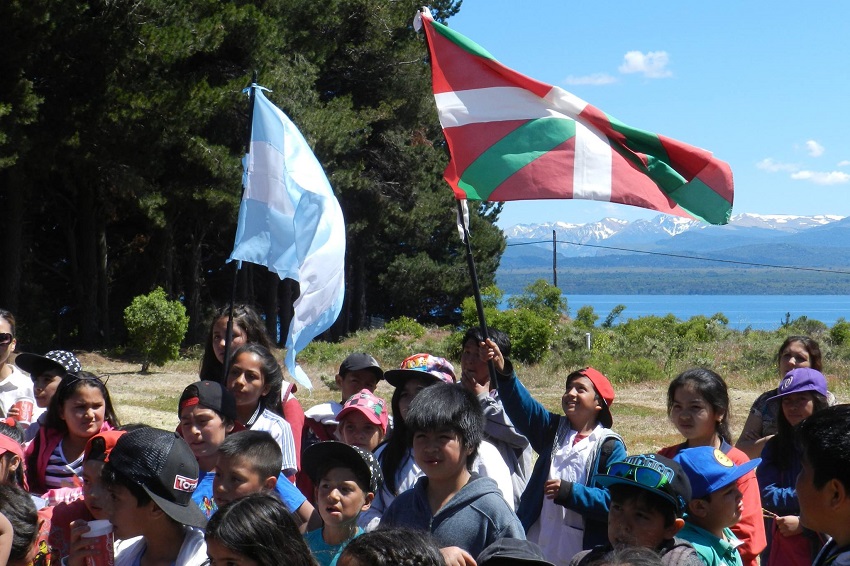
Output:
[[763, 86]]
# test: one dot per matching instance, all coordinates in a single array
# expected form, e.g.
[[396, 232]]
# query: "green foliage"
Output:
[[156, 327], [531, 333], [806, 326], [543, 299], [840, 332], [396, 331], [491, 298], [613, 316], [586, 317]]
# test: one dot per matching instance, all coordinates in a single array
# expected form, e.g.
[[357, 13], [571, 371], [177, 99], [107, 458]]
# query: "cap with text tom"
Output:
[[369, 405], [426, 366], [359, 361], [709, 469], [603, 388], [209, 394], [61, 361], [799, 380], [164, 466]]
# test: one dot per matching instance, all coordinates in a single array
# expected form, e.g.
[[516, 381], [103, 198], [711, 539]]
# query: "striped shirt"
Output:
[[62, 473], [274, 424]]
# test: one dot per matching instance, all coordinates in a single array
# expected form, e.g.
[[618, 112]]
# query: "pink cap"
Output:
[[370, 405]]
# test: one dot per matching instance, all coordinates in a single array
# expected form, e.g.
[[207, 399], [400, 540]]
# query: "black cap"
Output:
[[210, 394], [164, 466], [362, 462], [508, 551], [60, 360], [358, 361]]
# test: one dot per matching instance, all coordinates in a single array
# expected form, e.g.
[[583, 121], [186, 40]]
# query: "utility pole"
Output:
[[554, 259]]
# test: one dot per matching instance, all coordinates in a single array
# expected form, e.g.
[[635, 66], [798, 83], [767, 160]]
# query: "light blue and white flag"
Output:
[[291, 222]]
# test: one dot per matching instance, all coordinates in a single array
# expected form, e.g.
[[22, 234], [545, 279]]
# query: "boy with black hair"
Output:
[[465, 512], [498, 428], [346, 479], [649, 496], [716, 503], [823, 486]]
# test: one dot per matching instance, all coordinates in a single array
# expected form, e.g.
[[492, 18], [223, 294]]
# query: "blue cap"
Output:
[[801, 379], [709, 469]]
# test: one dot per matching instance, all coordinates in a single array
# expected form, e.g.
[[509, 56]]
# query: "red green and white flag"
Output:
[[514, 138]]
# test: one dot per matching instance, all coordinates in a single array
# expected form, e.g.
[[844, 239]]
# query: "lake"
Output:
[[760, 312]]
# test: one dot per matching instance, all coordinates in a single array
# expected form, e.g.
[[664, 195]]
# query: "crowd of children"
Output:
[[443, 474]]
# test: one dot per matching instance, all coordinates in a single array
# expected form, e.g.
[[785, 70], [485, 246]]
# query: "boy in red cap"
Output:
[[363, 420], [563, 509]]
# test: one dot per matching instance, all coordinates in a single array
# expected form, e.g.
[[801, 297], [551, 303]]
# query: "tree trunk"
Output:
[[12, 204], [197, 330], [270, 303]]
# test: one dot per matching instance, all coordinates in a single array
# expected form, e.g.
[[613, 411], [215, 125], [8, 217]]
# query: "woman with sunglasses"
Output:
[[14, 384], [80, 409]]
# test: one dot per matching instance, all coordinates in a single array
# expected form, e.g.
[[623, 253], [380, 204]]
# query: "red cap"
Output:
[[603, 388], [373, 407]]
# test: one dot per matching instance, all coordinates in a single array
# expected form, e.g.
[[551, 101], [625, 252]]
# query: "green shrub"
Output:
[[531, 334], [156, 327], [586, 318], [543, 299], [840, 332]]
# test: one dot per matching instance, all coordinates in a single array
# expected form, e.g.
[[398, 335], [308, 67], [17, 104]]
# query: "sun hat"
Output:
[[422, 365], [708, 469], [209, 394], [654, 473], [507, 551], [798, 380], [164, 466], [358, 361], [60, 360], [368, 404], [361, 461], [603, 388]]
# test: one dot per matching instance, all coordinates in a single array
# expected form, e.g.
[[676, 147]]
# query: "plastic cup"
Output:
[[24, 406], [102, 531]]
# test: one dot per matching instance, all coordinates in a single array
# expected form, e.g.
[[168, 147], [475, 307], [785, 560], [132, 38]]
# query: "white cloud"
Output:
[[594, 79], [814, 148], [652, 65], [822, 177], [771, 166], [844, 163]]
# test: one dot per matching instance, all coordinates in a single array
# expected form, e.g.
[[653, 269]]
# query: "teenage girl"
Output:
[[801, 393], [13, 382], [248, 327], [256, 529], [255, 379], [698, 406], [80, 409]]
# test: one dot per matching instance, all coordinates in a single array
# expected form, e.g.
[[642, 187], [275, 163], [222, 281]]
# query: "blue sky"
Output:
[[764, 86]]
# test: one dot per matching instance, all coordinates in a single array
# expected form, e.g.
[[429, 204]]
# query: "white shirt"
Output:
[[17, 385], [280, 430]]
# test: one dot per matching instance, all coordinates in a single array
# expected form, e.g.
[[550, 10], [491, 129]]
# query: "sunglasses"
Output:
[[646, 471], [5, 338]]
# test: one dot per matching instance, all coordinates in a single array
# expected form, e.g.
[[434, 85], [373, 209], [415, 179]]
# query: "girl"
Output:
[[255, 379], [255, 530], [698, 406], [800, 394], [80, 409], [248, 327], [14, 383]]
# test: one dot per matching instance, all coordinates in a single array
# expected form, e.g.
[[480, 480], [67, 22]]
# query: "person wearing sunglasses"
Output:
[[14, 384], [649, 496]]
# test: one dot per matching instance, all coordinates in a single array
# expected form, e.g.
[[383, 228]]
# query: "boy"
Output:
[[649, 496], [346, 480], [823, 486], [151, 475], [464, 511], [363, 420], [46, 372], [246, 464], [562, 509], [716, 503], [358, 371], [498, 428]]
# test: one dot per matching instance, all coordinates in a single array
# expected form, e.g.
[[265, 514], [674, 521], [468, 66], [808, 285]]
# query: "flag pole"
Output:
[[476, 290], [237, 265]]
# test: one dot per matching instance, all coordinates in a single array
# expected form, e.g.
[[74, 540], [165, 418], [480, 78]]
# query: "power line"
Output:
[[682, 256]]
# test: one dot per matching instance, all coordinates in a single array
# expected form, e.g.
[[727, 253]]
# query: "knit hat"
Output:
[[60, 360], [422, 365]]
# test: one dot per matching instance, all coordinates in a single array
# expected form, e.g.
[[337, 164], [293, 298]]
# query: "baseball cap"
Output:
[[101, 444], [60, 360], [358, 361], [370, 405], [659, 475], [508, 551], [422, 365], [164, 466], [603, 388], [801, 379], [8, 444], [209, 394], [362, 462], [709, 469]]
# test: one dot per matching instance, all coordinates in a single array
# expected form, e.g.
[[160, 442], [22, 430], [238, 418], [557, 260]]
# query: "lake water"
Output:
[[761, 312]]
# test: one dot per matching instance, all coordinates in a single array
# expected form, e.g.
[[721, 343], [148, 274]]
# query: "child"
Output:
[[249, 462], [46, 373], [363, 421], [498, 428], [391, 547], [18, 526], [464, 511], [255, 379], [346, 479], [698, 405], [255, 529], [13, 383], [823, 486], [716, 503], [11, 456], [649, 496], [151, 475], [80, 409], [562, 509], [801, 393], [512, 552], [357, 372]]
